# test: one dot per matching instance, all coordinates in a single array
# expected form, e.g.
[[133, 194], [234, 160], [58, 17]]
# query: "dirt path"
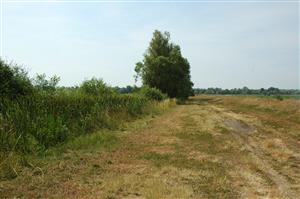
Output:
[[241, 133], [196, 150]]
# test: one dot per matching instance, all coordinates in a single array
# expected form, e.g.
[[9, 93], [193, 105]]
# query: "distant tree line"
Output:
[[126, 90], [246, 91]]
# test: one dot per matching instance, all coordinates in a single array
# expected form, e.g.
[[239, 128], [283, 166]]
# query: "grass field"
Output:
[[297, 97], [209, 147]]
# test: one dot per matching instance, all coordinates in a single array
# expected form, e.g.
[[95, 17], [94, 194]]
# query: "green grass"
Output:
[[211, 179], [291, 97], [297, 97], [158, 159], [41, 121], [102, 139], [212, 183], [180, 161]]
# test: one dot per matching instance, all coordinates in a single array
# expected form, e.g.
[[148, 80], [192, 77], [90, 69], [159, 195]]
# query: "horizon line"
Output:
[[150, 1]]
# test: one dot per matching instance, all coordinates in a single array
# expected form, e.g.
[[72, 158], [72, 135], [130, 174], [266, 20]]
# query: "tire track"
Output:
[[241, 133]]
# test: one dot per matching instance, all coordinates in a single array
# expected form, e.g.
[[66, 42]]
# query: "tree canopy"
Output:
[[164, 67]]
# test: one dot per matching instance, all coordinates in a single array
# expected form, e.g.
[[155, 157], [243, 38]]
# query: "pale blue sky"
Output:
[[227, 44]]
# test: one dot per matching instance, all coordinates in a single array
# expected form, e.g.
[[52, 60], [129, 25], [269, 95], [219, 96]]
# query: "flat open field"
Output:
[[210, 147]]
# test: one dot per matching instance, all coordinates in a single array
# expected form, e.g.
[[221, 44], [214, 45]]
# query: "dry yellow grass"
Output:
[[211, 147]]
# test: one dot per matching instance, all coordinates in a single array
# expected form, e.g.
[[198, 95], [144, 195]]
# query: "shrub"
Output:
[[42, 119], [152, 93], [41, 82], [279, 97], [51, 131], [96, 87], [13, 81]]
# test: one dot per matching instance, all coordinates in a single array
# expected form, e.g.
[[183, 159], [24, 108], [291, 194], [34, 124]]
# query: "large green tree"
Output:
[[164, 67]]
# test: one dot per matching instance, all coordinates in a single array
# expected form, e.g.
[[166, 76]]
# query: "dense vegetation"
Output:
[[247, 91], [36, 114], [164, 68]]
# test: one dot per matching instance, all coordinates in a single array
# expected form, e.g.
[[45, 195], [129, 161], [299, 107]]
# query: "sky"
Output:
[[228, 44]]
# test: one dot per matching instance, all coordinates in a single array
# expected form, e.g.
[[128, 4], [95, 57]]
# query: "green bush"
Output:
[[13, 81], [152, 93], [279, 97], [51, 131], [42, 84], [96, 87], [36, 118]]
